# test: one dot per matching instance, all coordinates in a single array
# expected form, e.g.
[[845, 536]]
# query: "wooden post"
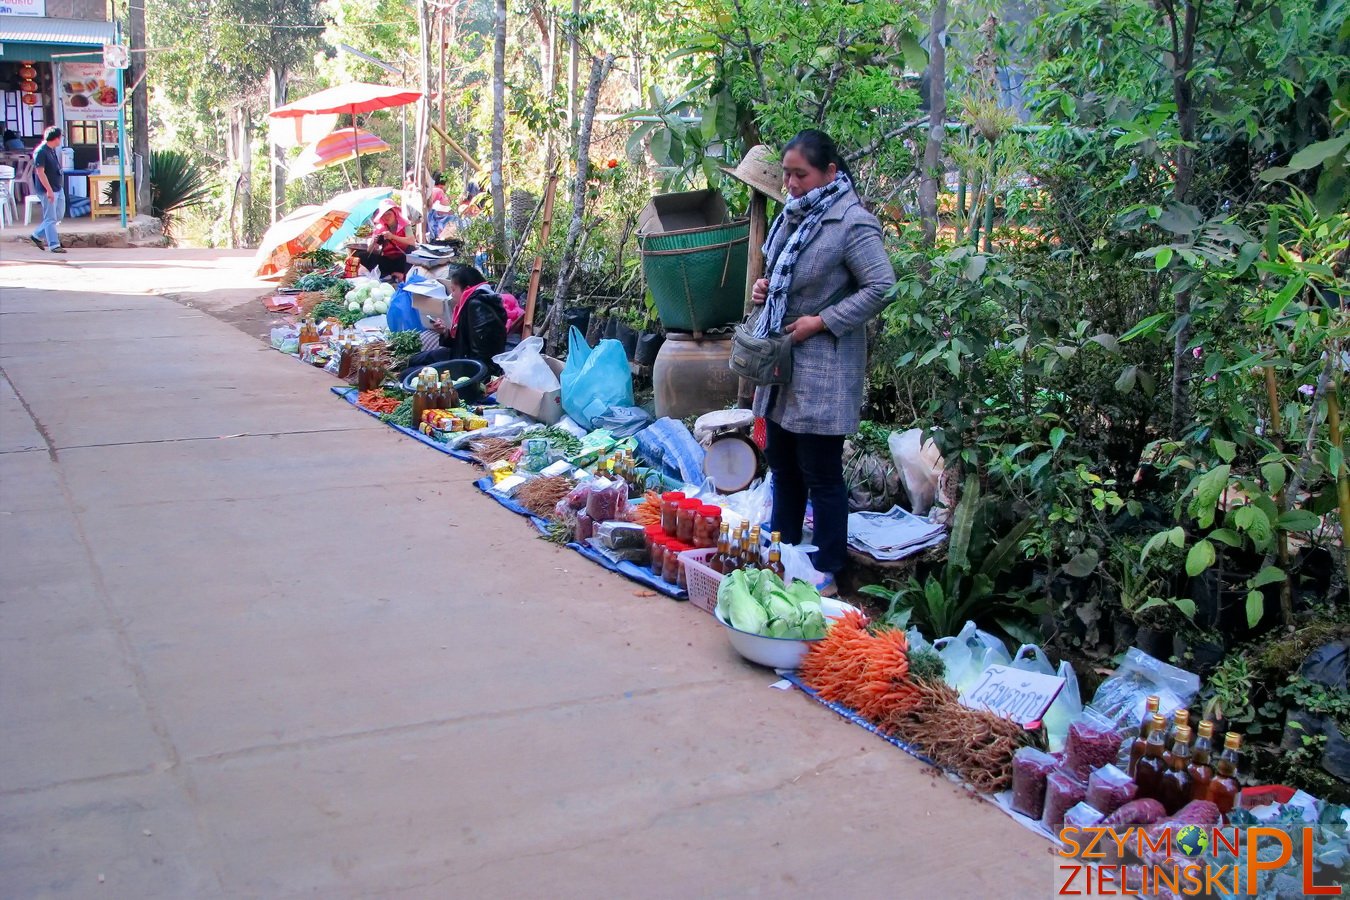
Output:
[[537, 270], [754, 270]]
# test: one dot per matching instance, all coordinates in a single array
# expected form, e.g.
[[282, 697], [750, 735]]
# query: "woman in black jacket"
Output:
[[477, 328]]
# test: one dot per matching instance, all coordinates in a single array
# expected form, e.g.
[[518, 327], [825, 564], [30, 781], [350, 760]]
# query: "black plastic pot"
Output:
[[612, 328], [1155, 642], [648, 345], [629, 338], [1204, 656], [578, 317], [1125, 631]]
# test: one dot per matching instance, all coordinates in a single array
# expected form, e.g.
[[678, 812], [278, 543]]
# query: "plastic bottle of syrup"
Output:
[[419, 404], [775, 563], [1180, 719], [1200, 769], [1223, 790], [1137, 748], [1175, 788], [718, 561], [752, 554], [1148, 774]]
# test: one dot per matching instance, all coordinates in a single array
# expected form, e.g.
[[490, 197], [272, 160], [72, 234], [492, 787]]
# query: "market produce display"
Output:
[[757, 601], [590, 490], [370, 298]]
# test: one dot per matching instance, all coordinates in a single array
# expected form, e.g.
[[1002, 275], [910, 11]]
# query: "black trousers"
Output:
[[810, 466], [387, 265]]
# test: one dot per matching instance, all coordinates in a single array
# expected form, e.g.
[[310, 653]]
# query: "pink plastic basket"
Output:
[[701, 581]]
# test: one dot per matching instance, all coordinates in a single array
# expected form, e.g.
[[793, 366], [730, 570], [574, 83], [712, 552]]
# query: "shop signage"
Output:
[[1021, 696], [23, 7], [88, 91]]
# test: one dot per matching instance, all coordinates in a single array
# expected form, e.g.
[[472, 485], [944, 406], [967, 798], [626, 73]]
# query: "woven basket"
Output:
[[697, 276]]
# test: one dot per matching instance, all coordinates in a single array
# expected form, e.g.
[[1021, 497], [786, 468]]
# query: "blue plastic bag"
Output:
[[402, 316], [594, 381]]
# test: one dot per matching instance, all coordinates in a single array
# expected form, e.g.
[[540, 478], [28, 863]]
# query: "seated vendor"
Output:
[[441, 213], [390, 241], [477, 328]]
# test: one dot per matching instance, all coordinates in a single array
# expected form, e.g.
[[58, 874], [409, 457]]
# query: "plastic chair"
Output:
[[29, 202], [9, 212]]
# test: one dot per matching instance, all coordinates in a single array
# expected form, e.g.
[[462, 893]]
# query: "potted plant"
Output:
[[652, 335]]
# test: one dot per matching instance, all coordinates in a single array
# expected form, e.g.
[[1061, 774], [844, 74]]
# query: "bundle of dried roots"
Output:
[[976, 744], [541, 495], [489, 450]]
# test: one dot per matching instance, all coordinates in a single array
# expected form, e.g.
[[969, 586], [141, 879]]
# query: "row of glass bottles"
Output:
[[744, 551], [1168, 768]]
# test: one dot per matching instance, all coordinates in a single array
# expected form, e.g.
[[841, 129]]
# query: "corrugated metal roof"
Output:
[[42, 30]]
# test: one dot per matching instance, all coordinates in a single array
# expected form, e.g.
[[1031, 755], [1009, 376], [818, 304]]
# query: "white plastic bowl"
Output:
[[778, 653]]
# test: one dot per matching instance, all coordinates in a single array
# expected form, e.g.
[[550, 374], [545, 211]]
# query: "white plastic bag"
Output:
[[525, 366], [920, 465], [968, 654], [797, 564], [1030, 658], [1068, 706]]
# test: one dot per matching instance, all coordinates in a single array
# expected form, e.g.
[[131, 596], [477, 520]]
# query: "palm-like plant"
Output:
[[176, 183]]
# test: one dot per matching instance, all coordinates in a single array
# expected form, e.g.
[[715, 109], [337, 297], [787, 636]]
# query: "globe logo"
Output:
[[1192, 840]]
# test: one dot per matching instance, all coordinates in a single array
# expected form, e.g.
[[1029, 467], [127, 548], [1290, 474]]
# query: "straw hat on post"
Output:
[[759, 170]]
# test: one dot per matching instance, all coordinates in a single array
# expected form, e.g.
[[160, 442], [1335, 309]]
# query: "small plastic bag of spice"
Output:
[[585, 527], [1083, 815], [1109, 789], [1092, 743], [1062, 793], [1030, 767]]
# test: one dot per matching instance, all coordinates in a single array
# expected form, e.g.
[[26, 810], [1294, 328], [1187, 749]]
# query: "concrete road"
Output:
[[255, 644]]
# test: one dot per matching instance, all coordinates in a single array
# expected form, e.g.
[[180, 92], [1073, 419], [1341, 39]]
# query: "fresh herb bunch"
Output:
[[320, 257], [328, 309], [338, 291], [558, 439], [395, 393], [402, 414], [403, 344], [926, 665], [317, 281], [349, 317]]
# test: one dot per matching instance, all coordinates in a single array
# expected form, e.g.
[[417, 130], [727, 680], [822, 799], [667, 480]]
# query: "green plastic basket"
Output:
[[697, 276]]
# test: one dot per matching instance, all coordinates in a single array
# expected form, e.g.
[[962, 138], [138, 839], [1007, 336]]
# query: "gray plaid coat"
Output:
[[826, 392]]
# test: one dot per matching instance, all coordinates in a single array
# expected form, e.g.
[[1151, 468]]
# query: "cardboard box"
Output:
[[546, 407], [682, 212]]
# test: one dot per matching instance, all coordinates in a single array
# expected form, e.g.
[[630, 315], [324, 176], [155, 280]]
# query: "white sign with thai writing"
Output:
[[1021, 696], [23, 7]]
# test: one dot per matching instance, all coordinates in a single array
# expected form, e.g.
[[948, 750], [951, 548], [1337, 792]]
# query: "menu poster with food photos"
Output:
[[87, 91]]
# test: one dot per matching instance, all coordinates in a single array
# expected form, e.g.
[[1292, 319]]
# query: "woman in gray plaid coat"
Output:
[[828, 275]]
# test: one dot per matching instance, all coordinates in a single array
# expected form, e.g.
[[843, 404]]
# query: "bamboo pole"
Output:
[[454, 145], [537, 270]]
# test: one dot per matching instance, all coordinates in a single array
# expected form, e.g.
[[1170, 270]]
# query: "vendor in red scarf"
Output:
[[477, 328], [390, 241]]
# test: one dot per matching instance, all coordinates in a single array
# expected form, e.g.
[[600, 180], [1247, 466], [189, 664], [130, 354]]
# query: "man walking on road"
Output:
[[51, 190]]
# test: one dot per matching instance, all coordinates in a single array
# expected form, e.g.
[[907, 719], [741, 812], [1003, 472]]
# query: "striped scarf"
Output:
[[806, 213]]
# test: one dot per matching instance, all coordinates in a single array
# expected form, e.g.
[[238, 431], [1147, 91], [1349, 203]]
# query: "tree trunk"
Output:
[[567, 269], [498, 131], [573, 63], [754, 270], [278, 79], [937, 124], [1183, 60], [140, 106], [423, 134], [248, 235]]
